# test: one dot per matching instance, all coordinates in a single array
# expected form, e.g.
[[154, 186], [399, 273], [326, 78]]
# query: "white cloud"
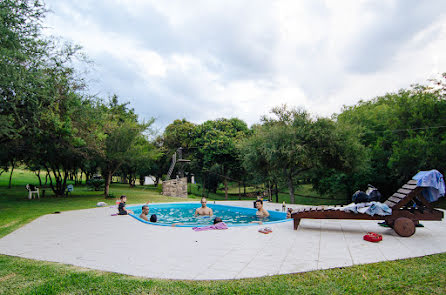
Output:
[[207, 59]]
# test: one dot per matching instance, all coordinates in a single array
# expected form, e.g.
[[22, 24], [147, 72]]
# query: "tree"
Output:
[[217, 153], [290, 146], [139, 160], [179, 134], [21, 49], [404, 132], [121, 130]]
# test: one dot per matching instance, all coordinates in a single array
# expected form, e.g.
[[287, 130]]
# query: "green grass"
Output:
[[16, 210], [426, 275], [20, 177]]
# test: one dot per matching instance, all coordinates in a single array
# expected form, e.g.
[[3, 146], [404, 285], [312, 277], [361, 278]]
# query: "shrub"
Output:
[[96, 184]]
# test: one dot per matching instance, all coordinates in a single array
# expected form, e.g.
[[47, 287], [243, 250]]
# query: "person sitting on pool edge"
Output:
[[144, 212], [204, 210], [121, 207], [261, 212], [288, 213]]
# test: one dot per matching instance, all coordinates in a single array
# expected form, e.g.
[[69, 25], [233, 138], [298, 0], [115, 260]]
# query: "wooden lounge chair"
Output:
[[403, 220]]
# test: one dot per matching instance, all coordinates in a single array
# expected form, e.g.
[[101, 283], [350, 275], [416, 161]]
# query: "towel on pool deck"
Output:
[[220, 225]]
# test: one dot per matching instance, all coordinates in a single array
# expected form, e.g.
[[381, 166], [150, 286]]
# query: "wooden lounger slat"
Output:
[[394, 200], [389, 203], [404, 191], [398, 195], [410, 186]]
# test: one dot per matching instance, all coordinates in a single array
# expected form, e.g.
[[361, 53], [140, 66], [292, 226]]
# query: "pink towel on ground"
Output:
[[220, 225]]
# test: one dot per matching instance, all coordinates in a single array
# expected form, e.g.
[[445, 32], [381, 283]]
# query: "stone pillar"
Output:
[[175, 187]]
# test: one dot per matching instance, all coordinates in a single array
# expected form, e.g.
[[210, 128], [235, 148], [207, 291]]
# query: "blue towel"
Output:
[[370, 208], [433, 183], [379, 209]]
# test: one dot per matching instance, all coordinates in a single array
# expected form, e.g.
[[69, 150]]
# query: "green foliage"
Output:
[[290, 146], [96, 184], [217, 155], [180, 133], [124, 141], [404, 132]]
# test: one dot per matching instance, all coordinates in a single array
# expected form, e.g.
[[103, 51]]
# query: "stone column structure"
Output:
[[175, 187]]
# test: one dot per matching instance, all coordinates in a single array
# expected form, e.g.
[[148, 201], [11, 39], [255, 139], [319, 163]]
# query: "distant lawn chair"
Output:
[[69, 189], [32, 191], [403, 219]]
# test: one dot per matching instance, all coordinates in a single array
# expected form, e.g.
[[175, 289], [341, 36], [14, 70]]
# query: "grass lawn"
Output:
[[425, 275]]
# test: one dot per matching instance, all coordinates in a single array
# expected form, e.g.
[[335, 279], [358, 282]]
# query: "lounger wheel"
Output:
[[404, 226]]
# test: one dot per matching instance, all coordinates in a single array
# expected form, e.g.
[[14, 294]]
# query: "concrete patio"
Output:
[[94, 239]]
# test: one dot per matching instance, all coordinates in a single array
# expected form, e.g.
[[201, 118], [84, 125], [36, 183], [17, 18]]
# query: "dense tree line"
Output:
[[403, 132], [384, 141], [49, 123]]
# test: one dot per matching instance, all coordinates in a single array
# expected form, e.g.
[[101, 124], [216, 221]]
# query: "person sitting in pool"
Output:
[[153, 218], [121, 207], [218, 224], [204, 210], [261, 212], [144, 213]]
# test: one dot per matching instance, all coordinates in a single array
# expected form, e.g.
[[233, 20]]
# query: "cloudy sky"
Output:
[[208, 59]]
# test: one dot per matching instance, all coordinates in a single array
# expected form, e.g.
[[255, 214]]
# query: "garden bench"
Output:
[[403, 219]]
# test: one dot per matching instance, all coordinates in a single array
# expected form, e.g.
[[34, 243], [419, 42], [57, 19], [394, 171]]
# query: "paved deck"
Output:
[[92, 238]]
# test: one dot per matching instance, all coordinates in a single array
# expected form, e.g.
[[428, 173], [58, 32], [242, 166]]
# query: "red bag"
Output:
[[373, 237]]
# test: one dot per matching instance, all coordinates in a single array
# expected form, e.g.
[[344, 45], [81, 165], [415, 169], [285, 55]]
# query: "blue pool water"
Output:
[[183, 213]]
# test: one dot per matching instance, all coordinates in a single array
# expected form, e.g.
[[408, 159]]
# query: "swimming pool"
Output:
[[182, 214]]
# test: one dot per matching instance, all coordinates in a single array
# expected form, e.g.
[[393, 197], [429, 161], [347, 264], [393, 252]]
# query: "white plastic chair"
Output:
[[32, 192]]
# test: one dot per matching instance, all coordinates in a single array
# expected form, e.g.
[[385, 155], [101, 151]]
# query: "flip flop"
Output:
[[373, 237], [265, 230]]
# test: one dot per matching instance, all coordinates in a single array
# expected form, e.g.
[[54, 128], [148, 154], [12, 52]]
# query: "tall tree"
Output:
[[21, 51], [289, 145], [122, 130], [217, 151]]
